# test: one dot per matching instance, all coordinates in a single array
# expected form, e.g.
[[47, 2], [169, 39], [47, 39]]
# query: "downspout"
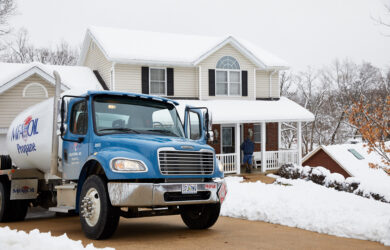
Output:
[[54, 145], [113, 76], [270, 82], [200, 82]]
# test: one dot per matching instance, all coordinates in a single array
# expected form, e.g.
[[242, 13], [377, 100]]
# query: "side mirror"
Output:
[[210, 135], [208, 125], [62, 113]]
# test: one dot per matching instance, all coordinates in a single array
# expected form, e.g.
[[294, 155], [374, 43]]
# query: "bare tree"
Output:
[[385, 19], [7, 9], [20, 50], [329, 94]]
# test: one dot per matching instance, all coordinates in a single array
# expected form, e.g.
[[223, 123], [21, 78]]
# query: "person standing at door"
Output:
[[248, 147]]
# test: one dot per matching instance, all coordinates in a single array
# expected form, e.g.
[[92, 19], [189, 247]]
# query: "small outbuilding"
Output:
[[349, 160]]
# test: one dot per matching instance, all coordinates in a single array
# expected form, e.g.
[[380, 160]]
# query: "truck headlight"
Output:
[[128, 165], [220, 165]]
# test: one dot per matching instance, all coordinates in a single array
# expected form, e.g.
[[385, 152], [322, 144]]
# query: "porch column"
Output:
[[299, 137], [238, 149], [263, 143]]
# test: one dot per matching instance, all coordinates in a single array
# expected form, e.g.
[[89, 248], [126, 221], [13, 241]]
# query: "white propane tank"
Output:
[[29, 138]]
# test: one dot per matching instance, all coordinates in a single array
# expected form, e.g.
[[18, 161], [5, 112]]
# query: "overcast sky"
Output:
[[303, 32]]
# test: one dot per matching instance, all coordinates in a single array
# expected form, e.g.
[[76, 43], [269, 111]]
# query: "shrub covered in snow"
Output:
[[323, 176]]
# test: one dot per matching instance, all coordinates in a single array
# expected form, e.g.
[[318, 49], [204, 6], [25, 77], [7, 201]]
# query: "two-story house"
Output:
[[235, 79]]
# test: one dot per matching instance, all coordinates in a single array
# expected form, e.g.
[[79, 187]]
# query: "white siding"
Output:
[[96, 60], [210, 63], [186, 82], [3, 150], [12, 101], [262, 86], [128, 79]]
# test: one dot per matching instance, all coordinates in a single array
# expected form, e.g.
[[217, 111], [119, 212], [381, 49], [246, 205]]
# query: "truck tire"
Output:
[[5, 202], [11, 210], [99, 219], [200, 216], [5, 162], [19, 210]]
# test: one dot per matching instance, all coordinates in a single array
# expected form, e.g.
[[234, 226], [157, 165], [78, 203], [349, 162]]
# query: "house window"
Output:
[[158, 81], [257, 133], [228, 77]]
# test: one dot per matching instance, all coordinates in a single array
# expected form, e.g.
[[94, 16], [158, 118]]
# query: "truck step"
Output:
[[62, 209]]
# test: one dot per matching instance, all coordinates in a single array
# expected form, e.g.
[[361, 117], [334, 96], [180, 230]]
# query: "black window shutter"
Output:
[[211, 82], [244, 76], [145, 80], [170, 90]]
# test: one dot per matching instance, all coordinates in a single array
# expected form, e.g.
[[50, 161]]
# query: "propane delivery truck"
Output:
[[106, 154]]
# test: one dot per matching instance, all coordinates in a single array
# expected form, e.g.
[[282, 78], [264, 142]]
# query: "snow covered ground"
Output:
[[306, 205], [34, 240]]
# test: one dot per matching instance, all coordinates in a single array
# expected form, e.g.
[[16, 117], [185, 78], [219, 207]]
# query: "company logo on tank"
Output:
[[25, 130]]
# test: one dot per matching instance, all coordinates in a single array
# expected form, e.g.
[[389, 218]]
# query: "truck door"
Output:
[[76, 139], [194, 125]]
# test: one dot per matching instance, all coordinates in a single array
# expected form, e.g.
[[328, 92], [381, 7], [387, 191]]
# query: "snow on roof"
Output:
[[73, 77], [248, 111], [132, 46], [354, 166]]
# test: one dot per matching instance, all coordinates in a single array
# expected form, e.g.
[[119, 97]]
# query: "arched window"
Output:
[[35, 90], [228, 62], [228, 77]]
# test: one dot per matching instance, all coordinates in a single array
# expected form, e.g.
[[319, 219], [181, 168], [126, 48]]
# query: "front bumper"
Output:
[[164, 194]]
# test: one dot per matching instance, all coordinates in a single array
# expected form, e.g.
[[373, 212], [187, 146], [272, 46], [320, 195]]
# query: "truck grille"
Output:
[[186, 162]]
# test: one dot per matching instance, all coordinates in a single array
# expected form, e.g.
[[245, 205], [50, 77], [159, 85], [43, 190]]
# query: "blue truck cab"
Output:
[[132, 156]]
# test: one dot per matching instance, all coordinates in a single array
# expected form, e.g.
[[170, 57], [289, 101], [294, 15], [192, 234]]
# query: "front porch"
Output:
[[268, 155], [233, 120]]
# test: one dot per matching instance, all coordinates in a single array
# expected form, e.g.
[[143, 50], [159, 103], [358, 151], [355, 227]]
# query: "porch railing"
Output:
[[229, 162], [275, 159]]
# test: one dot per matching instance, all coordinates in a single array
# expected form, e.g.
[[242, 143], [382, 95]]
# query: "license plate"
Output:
[[189, 188]]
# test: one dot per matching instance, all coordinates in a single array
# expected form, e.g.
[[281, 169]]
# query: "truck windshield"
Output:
[[117, 114]]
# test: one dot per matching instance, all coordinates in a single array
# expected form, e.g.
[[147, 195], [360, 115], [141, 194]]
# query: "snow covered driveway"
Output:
[[34, 240], [309, 206]]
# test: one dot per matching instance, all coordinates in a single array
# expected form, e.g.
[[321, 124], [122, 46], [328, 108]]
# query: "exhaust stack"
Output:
[[54, 147]]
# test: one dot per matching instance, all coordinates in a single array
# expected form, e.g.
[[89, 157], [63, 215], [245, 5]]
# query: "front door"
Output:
[[228, 141]]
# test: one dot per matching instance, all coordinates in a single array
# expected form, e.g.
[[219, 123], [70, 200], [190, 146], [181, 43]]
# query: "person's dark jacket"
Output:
[[248, 147]]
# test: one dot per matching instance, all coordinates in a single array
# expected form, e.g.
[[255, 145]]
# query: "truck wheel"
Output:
[[19, 210], [11, 210], [5, 203], [200, 216], [99, 219]]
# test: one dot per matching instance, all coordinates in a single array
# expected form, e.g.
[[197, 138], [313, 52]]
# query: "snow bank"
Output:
[[16, 240], [377, 188], [303, 204]]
